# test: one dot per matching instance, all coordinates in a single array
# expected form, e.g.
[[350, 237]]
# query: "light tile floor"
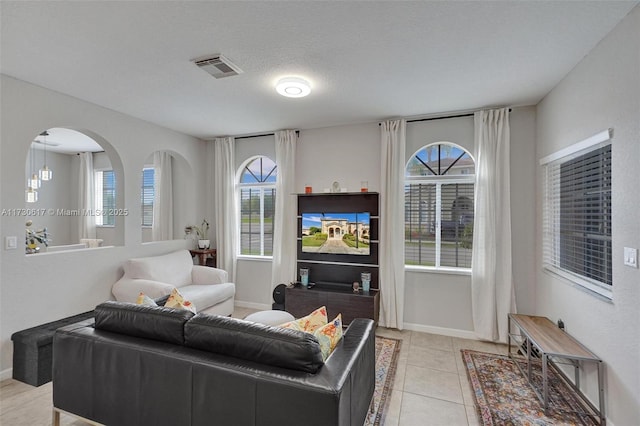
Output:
[[430, 387]]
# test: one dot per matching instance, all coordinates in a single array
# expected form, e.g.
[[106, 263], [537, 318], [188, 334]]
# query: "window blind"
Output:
[[577, 217], [147, 196]]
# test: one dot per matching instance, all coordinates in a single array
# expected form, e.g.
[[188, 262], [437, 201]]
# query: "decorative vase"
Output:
[[203, 244], [304, 276], [366, 281]]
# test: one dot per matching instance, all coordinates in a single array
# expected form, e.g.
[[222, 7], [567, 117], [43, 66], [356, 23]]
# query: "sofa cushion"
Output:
[[143, 299], [178, 301], [329, 336], [204, 296], [172, 268], [252, 341], [150, 322], [309, 323]]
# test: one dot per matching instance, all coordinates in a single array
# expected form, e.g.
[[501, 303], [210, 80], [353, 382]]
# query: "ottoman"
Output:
[[270, 317], [33, 350]]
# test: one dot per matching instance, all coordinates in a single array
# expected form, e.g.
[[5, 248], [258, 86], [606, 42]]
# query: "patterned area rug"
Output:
[[387, 350], [503, 395]]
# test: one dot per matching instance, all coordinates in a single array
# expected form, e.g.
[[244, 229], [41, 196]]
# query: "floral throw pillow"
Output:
[[177, 301], [145, 300], [310, 323], [329, 336]]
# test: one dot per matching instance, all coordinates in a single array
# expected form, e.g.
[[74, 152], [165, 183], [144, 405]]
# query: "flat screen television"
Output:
[[336, 233]]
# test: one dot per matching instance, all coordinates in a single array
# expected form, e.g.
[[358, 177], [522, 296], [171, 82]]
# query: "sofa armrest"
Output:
[[127, 289], [343, 387], [208, 275]]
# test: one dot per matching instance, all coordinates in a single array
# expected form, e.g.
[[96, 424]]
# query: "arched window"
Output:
[[439, 205], [257, 195]]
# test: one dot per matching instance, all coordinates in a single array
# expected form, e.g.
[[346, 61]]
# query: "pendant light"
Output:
[[46, 173], [31, 195], [33, 182]]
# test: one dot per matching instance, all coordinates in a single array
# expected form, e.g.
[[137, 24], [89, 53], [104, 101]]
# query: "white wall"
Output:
[[350, 154], [602, 91], [40, 288]]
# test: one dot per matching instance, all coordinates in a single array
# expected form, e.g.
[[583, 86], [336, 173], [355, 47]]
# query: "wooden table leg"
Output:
[[545, 384], [56, 418]]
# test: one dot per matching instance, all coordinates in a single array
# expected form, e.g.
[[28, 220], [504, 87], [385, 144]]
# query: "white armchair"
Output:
[[207, 288]]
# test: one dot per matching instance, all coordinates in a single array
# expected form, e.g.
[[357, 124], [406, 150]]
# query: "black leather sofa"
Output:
[[140, 365]]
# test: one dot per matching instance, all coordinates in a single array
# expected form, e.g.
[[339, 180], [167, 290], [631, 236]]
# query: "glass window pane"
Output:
[[420, 224], [585, 215], [108, 197], [257, 207], [260, 170], [456, 228], [250, 221], [147, 196], [269, 212], [440, 159]]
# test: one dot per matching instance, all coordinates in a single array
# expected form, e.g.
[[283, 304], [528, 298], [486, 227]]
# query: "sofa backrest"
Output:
[[149, 322], [232, 337], [173, 268], [256, 342]]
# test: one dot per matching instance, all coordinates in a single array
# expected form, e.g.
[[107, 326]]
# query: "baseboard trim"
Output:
[[6, 374], [451, 332], [252, 305]]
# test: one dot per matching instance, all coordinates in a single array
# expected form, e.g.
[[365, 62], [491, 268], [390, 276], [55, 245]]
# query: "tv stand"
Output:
[[335, 272], [339, 298]]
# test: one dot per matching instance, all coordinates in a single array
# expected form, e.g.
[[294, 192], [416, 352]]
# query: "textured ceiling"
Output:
[[366, 60]]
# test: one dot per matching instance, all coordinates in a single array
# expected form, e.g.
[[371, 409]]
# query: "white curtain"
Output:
[[86, 195], [285, 217], [493, 295], [221, 174], [162, 228], [392, 224]]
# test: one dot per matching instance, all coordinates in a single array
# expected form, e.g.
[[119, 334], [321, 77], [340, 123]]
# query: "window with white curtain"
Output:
[[257, 194], [439, 207], [147, 195], [105, 197], [577, 214]]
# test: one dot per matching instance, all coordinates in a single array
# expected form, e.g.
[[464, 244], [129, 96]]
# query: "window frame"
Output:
[[98, 195], [438, 181], [262, 187], [551, 215]]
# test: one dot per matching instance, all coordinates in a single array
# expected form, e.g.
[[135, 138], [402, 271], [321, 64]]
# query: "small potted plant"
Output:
[[33, 238], [202, 232]]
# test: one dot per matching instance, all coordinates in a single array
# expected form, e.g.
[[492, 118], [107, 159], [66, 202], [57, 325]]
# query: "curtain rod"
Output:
[[260, 135], [255, 136], [440, 118], [470, 114]]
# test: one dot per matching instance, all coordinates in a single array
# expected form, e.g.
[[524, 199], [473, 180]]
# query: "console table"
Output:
[[553, 345], [300, 301]]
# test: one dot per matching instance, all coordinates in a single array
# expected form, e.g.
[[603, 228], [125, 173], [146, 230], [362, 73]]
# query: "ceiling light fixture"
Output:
[[33, 182], [293, 87], [46, 173]]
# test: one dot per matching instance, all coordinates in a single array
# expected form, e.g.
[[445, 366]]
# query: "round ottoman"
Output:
[[270, 317]]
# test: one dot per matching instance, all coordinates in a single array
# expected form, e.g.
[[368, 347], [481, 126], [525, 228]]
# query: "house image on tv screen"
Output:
[[335, 233]]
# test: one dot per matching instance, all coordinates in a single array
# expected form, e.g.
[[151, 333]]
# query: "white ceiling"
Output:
[[366, 60], [66, 141]]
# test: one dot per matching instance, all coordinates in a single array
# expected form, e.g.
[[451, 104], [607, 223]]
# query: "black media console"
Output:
[[334, 273]]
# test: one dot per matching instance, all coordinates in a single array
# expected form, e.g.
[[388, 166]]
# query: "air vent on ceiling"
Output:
[[218, 66]]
